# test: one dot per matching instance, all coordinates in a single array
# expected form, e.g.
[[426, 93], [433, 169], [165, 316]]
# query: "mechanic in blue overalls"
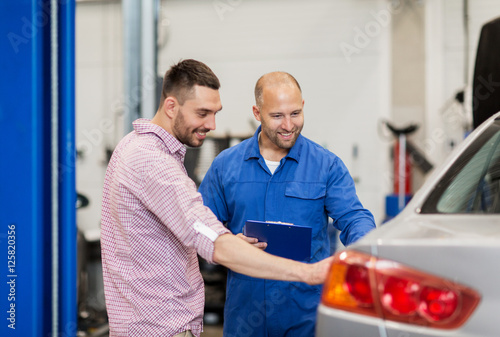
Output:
[[279, 175]]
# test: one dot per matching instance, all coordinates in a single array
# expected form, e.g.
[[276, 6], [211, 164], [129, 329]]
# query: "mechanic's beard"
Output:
[[274, 138]]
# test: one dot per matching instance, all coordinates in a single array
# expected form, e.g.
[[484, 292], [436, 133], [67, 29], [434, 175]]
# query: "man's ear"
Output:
[[256, 112], [170, 106]]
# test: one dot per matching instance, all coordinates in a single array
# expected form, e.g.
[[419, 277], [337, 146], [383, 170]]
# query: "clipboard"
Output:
[[283, 239]]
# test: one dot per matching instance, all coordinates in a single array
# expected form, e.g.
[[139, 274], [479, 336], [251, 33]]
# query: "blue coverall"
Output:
[[310, 185]]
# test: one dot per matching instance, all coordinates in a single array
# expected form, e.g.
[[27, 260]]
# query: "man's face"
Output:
[[196, 116], [281, 116]]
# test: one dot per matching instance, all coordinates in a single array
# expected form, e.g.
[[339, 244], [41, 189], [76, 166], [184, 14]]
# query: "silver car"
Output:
[[434, 270]]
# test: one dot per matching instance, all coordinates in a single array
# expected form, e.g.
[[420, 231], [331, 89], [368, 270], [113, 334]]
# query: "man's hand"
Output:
[[318, 271], [253, 241], [244, 258]]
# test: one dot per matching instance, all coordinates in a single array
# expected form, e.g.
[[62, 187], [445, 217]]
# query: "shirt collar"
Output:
[[144, 126], [253, 150]]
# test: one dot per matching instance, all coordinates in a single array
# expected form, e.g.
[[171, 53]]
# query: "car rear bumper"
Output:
[[336, 323]]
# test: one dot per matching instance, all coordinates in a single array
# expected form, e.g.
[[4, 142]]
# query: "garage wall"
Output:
[[449, 69], [99, 101], [339, 51], [408, 75]]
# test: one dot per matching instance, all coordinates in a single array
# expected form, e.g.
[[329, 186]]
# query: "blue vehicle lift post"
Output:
[[37, 151]]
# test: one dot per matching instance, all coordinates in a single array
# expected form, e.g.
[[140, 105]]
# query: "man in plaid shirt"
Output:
[[154, 223]]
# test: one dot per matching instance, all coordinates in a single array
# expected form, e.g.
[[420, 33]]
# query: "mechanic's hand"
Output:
[[253, 241]]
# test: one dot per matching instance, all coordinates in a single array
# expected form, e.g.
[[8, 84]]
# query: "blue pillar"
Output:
[[28, 306], [67, 160]]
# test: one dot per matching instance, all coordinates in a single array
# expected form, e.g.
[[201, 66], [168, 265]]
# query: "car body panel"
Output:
[[477, 257], [331, 322], [461, 248]]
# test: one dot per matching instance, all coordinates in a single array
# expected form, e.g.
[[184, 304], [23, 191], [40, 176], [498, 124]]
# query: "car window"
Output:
[[472, 184]]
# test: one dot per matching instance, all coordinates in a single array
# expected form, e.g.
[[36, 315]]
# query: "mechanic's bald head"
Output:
[[274, 79]]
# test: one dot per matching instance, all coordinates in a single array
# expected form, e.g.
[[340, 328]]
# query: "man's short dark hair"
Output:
[[180, 79]]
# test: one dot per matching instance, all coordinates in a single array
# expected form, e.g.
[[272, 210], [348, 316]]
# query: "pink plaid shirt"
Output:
[[153, 225]]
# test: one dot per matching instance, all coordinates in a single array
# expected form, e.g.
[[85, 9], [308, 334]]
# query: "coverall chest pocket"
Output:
[[305, 201]]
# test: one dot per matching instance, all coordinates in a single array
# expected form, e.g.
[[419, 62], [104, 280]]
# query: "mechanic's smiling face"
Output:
[[282, 117]]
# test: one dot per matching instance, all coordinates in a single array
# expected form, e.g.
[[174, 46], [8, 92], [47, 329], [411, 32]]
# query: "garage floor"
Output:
[[212, 331]]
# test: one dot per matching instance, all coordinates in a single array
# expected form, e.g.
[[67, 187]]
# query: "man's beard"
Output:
[[184, 135]]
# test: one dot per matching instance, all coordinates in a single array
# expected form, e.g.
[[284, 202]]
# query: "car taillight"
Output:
[[438, 304], [357, 281], [366, 285], [400, 296]]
